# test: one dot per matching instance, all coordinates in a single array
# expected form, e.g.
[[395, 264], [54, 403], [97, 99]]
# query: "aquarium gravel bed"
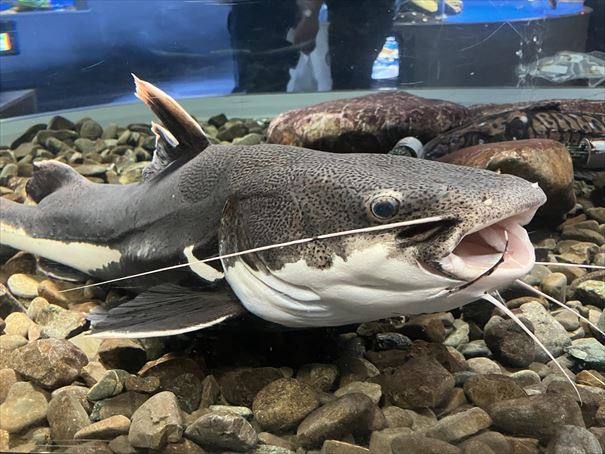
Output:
[[466, 381]]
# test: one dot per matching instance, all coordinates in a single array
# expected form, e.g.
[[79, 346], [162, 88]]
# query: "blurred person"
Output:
[[262, 36], [358, 30], [596, 26], [267, 35]]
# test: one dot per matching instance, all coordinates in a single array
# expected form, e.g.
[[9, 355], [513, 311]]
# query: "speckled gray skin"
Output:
[[301, 193], [270, 194], [210, 199], [567, 122], [198, 201]]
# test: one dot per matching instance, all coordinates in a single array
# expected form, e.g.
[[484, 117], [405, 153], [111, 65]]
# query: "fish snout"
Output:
[[487, 234]]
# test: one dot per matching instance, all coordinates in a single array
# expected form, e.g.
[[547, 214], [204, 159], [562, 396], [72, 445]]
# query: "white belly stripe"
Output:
[[85, 257], [203, 270]]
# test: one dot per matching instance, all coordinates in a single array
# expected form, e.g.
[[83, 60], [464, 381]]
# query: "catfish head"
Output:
[[472, 242]]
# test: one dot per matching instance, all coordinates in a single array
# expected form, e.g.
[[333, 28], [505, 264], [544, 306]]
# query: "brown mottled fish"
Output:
[[555, 120]]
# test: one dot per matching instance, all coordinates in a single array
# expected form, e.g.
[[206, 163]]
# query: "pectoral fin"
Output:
[[166, 310]]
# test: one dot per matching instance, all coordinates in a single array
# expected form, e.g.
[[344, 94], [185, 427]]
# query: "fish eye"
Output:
[[384, 207]]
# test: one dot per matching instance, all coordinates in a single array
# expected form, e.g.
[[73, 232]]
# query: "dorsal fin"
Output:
[[49, 176], [183, 126], [181, 138]]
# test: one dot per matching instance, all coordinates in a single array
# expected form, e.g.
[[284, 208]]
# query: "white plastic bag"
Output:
[[302, 77], [320, 58], [312, 72]]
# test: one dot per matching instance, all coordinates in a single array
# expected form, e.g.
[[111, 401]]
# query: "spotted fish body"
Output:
[[199, 200], [552, 120]]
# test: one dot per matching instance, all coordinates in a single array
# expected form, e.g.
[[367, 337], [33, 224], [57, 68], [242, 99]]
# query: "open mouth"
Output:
[[501, 247]]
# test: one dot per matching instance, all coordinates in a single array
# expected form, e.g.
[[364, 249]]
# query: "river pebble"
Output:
[[349, 413], [547, 329], [240, 386], [568, 439], [508, 342], [283, 403], [49, 363], [22, 408], [66, 416], [591, 292], [23, 285], [484, 390], [536, 416], [222, 431], [156, 422], [320, 377], [589, 351]]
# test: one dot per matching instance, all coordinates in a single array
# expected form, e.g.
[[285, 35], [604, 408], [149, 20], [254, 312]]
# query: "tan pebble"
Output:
[[89, 345], [49, 290], [342, 447], [484, 366], [36, 306], [17, 323], [456, 354], [84, 307], [267, 438], [92, 373], [594, 315], [13, 416], [34, 333], [591, 378], [4, 440], [23, 285], [8, 378], [10, 342], [105, 429]]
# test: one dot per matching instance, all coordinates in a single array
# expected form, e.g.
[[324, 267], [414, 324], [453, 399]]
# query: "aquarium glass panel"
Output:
[[74, 53]]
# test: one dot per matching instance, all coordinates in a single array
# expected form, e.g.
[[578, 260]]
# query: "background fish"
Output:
[[544, 120], [565, 66], [198, 200]]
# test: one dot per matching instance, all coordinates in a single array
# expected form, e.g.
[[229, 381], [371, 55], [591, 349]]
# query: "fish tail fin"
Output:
[[185, 129], [49, 176]]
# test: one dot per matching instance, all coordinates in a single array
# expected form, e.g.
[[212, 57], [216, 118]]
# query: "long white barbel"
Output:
[[376, 228], [571, 265], [521, 325], [558, 303]]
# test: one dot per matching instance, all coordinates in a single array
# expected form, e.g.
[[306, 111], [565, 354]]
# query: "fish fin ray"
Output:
[[49, 176], [165, 310], [183, 127]]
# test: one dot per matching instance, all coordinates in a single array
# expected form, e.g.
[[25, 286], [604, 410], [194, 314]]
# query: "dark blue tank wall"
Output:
[[71, 50]]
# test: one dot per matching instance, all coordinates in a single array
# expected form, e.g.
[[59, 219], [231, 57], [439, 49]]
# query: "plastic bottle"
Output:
[[386, 65]]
